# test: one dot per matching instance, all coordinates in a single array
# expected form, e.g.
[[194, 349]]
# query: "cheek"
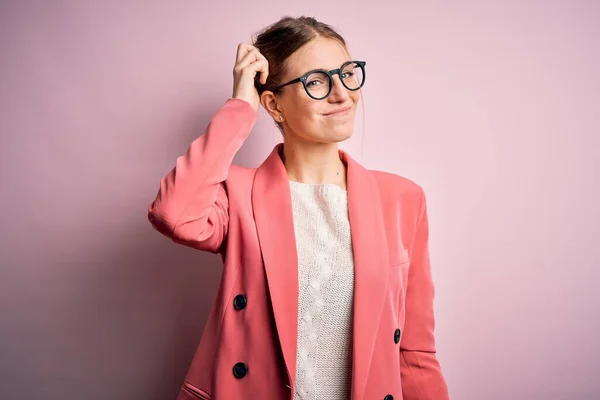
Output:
[[305, 110]]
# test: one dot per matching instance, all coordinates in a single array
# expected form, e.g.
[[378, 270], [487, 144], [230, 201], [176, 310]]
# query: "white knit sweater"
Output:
[[325, 291]]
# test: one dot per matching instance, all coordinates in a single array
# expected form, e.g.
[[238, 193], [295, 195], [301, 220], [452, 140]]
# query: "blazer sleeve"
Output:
[[421, 373], [191, 206]]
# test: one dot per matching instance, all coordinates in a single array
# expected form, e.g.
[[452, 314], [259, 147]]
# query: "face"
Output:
[[307, 119]]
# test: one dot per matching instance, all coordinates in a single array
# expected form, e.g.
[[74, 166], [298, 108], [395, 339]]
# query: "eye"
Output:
[[348, 74], [315, 82]]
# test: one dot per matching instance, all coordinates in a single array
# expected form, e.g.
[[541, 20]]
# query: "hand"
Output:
[[248, 63]]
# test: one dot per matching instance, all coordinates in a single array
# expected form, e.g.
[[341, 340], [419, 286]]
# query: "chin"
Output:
[[336, 137], [347, 135], [331, 134]]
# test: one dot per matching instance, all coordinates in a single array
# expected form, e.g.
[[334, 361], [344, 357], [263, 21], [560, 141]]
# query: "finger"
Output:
[[250, 58], [262, 66], [264, 72], [258, 66], [242, 50]]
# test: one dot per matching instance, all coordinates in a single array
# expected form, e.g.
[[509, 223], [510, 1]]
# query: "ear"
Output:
[[272, 105]]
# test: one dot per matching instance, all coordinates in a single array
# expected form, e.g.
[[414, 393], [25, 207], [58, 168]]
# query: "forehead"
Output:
[[320, 53]]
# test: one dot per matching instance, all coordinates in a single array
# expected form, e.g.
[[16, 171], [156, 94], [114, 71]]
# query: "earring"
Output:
[[281, 117]]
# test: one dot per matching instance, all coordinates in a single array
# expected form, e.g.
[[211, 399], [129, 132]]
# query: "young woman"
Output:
[[326, 290]]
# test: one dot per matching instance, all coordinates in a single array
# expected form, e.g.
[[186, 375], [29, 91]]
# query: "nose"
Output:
[[339, 93]]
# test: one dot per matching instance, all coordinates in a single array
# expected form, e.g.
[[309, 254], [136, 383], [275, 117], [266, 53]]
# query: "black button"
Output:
[[388, 397], [240, 370], [240, 301], [397, 336]]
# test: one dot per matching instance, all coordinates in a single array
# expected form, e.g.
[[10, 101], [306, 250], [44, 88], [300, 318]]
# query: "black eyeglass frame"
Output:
[[337, 71]]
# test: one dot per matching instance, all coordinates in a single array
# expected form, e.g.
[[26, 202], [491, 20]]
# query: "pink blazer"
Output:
[[248, 347]]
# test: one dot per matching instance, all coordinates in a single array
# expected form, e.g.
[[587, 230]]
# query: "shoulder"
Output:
[[398, 190], [396, 185]]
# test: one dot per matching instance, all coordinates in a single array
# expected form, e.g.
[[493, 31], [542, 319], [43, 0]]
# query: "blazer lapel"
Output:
[[272, 206], [371, 267]]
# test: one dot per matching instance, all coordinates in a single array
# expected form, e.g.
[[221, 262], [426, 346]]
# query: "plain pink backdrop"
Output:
[[493, 107]]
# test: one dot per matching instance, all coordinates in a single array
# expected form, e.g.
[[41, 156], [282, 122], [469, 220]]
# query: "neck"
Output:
[[314, 163]]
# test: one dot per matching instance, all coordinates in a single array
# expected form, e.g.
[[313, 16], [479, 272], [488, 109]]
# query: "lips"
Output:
[[338, 111]]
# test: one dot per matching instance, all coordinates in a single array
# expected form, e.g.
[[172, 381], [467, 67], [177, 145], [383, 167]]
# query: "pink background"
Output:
[[493, 107]]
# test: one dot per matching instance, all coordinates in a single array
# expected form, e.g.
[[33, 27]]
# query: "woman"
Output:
[[326, 290]]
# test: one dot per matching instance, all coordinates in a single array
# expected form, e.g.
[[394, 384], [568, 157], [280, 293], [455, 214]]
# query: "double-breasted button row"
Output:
[[397, 334], [240, 369]]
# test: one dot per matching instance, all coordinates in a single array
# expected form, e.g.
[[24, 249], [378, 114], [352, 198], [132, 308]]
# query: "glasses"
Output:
[[318, 83]]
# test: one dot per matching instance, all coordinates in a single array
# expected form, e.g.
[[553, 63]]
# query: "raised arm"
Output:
[[191, 206]]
